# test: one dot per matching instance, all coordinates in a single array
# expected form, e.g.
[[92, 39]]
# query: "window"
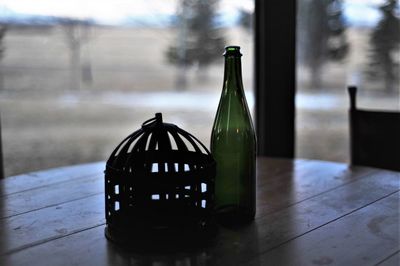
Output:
[[341, 43], [76, 78]]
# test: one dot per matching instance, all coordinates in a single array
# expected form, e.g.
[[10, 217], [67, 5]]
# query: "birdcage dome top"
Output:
[[158, 142]]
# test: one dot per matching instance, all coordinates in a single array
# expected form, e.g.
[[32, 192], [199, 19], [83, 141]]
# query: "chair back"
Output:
[[374, 136]]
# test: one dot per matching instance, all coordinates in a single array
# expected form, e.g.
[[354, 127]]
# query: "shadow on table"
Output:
[[231, 246]]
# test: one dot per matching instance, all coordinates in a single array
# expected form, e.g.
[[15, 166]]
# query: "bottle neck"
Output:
[[233, 73]]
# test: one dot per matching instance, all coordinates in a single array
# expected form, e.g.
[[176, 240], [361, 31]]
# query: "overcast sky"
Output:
[[108, 10], [114, 11]]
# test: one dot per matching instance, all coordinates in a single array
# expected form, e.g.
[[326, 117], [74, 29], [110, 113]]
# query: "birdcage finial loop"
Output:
[[156, 119], [159, 117]]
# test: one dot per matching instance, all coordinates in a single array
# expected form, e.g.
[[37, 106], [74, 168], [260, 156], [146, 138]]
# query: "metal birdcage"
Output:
[[159, 188]]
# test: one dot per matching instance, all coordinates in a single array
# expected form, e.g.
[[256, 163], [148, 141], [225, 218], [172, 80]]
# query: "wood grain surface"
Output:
[[308, 213]]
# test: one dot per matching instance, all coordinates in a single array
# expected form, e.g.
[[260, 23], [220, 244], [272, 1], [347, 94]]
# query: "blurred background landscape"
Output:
[[76, 78]]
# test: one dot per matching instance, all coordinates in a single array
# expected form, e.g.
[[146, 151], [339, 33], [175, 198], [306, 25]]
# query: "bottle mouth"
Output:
[[232, 51]]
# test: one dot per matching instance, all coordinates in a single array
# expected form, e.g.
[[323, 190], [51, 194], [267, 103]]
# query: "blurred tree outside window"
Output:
[[384, 41], [322, 36], [199, 39], [3, 30], [77, 34]]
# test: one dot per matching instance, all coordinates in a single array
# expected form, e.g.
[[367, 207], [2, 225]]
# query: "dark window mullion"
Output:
[[275, 42]]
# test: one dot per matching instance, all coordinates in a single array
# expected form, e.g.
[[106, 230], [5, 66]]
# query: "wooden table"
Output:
[[308, 213]]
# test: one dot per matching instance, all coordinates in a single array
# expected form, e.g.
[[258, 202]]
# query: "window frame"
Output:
[[275, 77]]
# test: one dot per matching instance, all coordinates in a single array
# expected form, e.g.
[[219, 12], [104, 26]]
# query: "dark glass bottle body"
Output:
[[233, 146]]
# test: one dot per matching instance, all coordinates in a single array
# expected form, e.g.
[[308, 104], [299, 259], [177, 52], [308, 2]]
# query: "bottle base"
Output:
[[233, 215]]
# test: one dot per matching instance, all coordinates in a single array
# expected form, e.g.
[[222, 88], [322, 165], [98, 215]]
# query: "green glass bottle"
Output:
[[233, 146]]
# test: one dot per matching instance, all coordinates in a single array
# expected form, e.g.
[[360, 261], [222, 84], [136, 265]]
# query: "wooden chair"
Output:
[[374, 136]]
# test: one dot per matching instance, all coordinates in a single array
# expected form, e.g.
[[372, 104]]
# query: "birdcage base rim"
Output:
[[168, 240]]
